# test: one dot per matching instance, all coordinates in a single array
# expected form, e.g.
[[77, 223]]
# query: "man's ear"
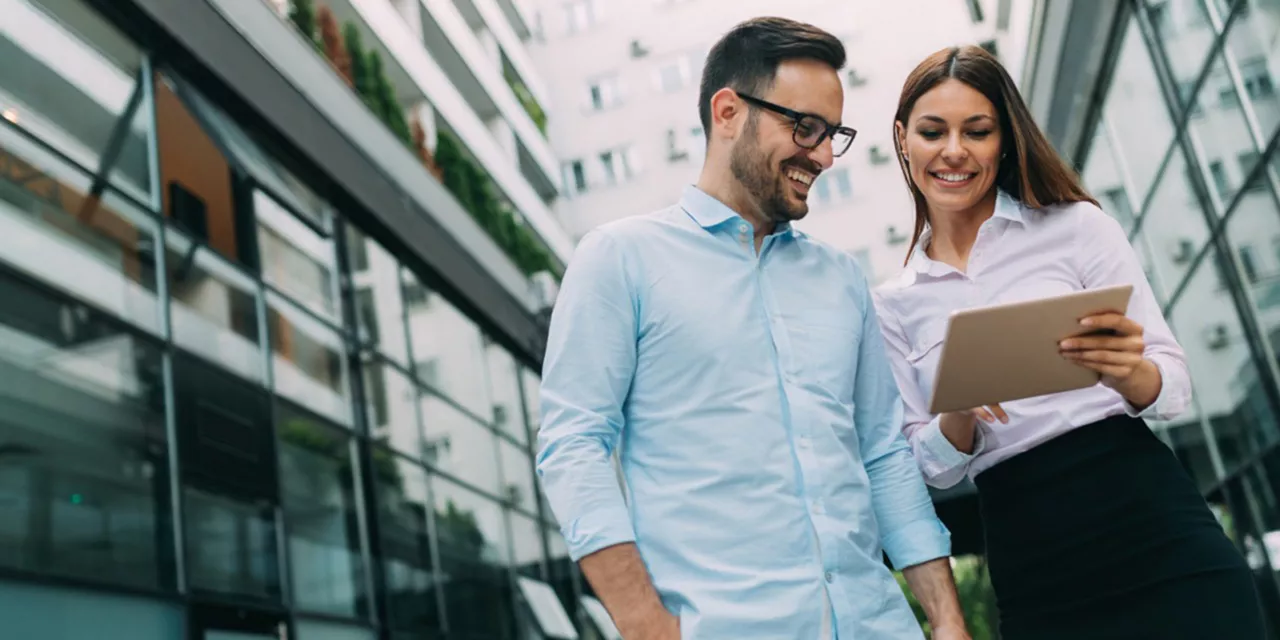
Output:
[[727, 113]]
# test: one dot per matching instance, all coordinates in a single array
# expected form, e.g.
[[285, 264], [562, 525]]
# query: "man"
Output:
[[736, 365]]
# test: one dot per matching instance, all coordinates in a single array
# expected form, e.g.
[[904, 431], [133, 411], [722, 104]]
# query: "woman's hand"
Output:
[[959, 426], [1116, 352]]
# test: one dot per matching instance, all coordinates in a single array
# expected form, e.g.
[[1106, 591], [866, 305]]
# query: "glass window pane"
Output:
[[1103, 178], [231, 545], [1222, 135], [70, 78], [308, 366], [1183, 25], [59, 613], [406, 552], [315, 630], [296, 259], [85, 489], [458, 445], [1137, 111], [100, 250], [469, 526], [321, 514], [380, 305], [517, 474], [1228, 389], [390, 411], [1186, 436], [532, 384], [213, 311], [526, 544], [1256, 50], [504, 389], [1175, 227], [473, 555], [448, 349]]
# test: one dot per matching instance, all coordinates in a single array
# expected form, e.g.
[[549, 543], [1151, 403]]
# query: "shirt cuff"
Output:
[[597, 530], [943, 456], [1168, 402], [916, 543]]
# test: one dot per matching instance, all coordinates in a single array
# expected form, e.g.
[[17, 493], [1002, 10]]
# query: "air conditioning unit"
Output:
[[895, 237], [854, 78], [1216, 337], [514, 495], [877, 155], [545, 289], [499, 414], [638, 50], [1184, 251]]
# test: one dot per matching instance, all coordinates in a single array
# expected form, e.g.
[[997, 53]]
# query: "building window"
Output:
[[1248, 263], [1220, 181], [581, 15], [619, 165], [1257, 79], [1117, 202], [575, 177], [1248, 160], [975, 10], [674, 75], [605, 92], [833, 186]]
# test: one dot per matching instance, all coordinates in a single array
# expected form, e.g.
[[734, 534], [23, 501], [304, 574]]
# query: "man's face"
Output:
[[765, 160]]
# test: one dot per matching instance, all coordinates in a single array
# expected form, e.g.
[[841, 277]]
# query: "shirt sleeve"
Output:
[[910, 530], [1107, 259], [941, 463], [587, 370]]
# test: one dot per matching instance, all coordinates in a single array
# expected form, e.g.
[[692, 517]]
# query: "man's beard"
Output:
[[762, 181]]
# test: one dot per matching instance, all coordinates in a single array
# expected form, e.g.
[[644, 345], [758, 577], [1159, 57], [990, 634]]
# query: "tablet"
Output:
[[1010, 351]]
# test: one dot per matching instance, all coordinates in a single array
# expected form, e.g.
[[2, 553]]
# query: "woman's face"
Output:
[[952, 143]]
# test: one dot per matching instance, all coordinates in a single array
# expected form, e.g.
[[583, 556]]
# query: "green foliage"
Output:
[[303, 15], [977, 599], [383, 99], [360, 75]]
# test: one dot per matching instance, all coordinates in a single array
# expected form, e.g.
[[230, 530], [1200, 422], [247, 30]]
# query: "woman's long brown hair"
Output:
[[1030, 169]]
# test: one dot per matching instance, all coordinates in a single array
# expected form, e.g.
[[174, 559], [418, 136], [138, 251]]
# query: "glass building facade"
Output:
[[227, 412], [1179, 143]]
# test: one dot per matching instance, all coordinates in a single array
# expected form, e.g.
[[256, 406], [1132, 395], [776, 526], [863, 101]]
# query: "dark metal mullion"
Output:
[[1235, 283], [366, 484]]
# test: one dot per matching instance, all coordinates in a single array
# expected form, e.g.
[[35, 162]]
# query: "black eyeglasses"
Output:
[[809, 130]]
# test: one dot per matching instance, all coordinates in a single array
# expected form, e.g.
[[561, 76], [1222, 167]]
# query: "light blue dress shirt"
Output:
[[755, 419]]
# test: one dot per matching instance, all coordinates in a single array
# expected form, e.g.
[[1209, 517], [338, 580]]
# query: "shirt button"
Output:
[[743, 227], [829, 577]]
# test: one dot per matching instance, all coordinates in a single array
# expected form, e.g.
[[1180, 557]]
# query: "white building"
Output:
[[622, 78]]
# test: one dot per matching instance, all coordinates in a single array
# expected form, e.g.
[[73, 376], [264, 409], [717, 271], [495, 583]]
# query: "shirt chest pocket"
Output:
[[825, 350]]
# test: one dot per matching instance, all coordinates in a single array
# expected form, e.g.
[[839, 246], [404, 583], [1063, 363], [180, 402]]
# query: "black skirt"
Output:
[[1100, 533]]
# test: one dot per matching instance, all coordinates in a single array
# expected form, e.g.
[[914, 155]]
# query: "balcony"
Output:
[[412, 78]]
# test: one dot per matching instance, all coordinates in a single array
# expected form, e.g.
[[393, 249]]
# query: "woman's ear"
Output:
[[901, 132]]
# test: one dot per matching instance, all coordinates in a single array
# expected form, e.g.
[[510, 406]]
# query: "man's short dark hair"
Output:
[[746, 59]]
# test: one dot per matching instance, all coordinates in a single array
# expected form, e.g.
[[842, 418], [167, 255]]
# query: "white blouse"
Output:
[[1020, 253]]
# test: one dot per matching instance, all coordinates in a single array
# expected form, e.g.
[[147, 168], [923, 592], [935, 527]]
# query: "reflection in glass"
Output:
[[504, 390], [531, 386], [84, 488], [1253, 45], [403, 501], [458, 445], [526, 537], [517, 474], [98, 249], [473, 547], [1222, 136], [321, 514], [73, 91], [296, 259], [315, 630], [380, 306], [307, 362], [448, 349], [1174, 227], [231, 545], [213, 313], [1228, 388], [39, 612], [1137, 113], [1103, 177], [390, 413]]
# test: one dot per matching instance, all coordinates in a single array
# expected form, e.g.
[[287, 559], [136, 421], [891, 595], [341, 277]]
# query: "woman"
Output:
[[1093, 529]]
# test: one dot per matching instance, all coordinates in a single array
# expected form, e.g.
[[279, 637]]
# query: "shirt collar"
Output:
[[1007, 208], [711, 213]]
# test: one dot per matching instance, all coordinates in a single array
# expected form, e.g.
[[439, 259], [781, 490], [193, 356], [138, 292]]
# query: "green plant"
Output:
[[303, 15], [360, 77], [385, 103]]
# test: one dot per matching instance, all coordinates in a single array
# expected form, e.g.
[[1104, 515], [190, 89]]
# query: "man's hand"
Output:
[[621, 581]]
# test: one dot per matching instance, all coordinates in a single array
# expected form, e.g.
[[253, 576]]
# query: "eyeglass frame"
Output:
[[796, 117]]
